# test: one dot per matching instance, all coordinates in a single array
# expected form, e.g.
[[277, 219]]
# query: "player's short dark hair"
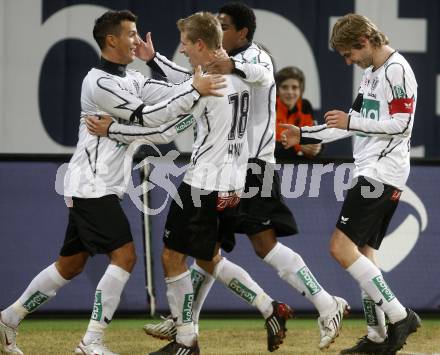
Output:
[[242, 16], [291, 73], [110, 24]]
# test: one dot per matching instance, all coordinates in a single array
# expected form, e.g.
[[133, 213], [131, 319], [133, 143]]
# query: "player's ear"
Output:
[[243, 32], [110, 41]]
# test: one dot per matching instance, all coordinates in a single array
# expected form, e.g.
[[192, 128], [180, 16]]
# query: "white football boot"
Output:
[[330, 325], [166, 329], [96, 347], [8, 337]]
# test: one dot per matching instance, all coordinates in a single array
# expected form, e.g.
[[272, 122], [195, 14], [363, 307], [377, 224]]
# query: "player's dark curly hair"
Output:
[[242, 16], [110, 24]]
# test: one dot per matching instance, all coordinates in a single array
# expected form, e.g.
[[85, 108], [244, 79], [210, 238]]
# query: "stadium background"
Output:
[[46, 49]]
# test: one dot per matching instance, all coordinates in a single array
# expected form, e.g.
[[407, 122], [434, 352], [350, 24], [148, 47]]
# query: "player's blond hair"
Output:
[[348, 30], [204, 26]]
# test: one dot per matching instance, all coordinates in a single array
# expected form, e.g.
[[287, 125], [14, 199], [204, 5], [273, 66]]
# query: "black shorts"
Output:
[[266, 209], [96, 225], [196, 228], [365, 219]]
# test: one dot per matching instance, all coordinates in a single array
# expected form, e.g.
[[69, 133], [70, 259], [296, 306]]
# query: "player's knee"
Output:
[[69, 271], [263, 246], [335, 247], [263, 242]]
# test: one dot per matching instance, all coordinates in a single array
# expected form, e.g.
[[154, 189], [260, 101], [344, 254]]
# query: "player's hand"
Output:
[[336, 119], [311, 150], [98, 126], [145, 50], [208, 84], [220, 66], [290, 136]]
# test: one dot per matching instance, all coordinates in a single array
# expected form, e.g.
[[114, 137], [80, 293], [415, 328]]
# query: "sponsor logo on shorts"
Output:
[[370, 312], [187, 308], [383, 288], [242, 291], [182, 125], [396, 195], [97, 306], [197, 280], [344, 220], [306, 276], [35, 301]]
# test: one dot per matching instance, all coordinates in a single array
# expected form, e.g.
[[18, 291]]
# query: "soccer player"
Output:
[[217, 171], [381, 121], [95, 179], [262, 218]]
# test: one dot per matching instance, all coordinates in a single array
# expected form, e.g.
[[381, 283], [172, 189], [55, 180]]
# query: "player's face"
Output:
[[289, 92], [126, 42], [231, 37], [190, 49], [363, 57]]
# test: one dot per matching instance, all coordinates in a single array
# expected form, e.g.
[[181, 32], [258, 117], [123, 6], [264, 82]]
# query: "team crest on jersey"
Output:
[[374, 84], [398, 92]]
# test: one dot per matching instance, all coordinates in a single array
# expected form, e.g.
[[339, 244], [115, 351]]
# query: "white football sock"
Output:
[[107, 297], [41, 289], [202, 283], [180, 296], [292, 269], [372, 282], [375, 317], [241, 284]]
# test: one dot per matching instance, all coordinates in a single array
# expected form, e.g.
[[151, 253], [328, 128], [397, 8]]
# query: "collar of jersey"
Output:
[[112, 68], [239, 50]]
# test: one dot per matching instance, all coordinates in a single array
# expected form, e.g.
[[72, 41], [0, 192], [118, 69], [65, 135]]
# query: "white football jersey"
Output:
[[96, 167], [255, 67], [220, 150], [381, 119]]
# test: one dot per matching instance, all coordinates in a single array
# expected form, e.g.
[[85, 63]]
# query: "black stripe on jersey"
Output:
[[403, 78], [125, 102], [155, 67], [267, 142], [260, 147], [197, 157], [173, 68], [171, 100], [157, 82], [158, 131], [310, 140], [388, 134], [96, 155], [382, 154], [136, 116], [89, 159], [194, 160]]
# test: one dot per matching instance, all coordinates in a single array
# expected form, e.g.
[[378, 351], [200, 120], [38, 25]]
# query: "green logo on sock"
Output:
[[97, 306], [370, 312], [197, 280], [35, 301], [383, 288], [187, 308], [241, 290], [307, 278]]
